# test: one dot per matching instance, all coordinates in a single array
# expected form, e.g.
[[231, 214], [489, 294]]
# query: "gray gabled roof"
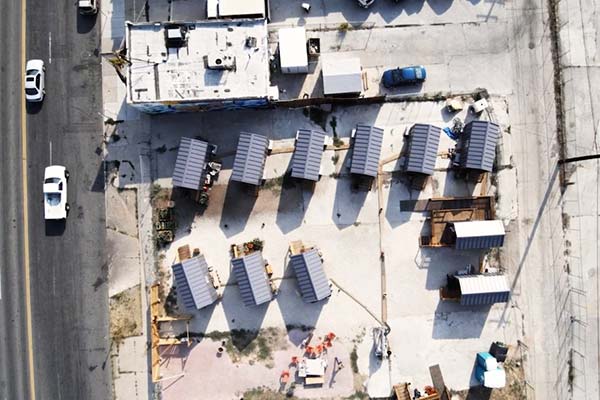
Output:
[[366, 150], [252, 279], [249, 163], [193, 283], [190, 164], [306, 161], [479, 234], [312, 280], [478, 290], [479, 145], [422, 148]]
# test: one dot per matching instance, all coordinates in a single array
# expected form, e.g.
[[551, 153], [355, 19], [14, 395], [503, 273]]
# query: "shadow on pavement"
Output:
[[85, 23], [55, 228], [34, 107]]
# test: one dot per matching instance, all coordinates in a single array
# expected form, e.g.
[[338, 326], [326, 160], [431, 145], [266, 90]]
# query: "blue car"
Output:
[[403, 76]]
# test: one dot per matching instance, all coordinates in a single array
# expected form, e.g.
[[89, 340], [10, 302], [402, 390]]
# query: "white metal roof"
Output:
[[479, 228], [158, 73], [476, 284], [292, 47], [341, 75], [238, 8]]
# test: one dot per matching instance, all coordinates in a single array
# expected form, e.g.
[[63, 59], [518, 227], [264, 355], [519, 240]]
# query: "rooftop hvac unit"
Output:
[[175, 36], [219, 60]]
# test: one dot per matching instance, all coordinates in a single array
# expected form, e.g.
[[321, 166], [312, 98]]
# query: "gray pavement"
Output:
[[580, 338], [13, 350], [68, 270]]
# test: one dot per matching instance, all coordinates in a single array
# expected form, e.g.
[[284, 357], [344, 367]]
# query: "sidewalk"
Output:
[[127, 252]]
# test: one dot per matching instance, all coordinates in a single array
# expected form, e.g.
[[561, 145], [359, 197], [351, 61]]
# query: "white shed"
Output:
[[293, 57], [341, 76], [242, 8]]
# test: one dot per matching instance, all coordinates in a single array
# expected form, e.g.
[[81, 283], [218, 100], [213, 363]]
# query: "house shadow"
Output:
[[296, 313], [294, 200], [398, 191], [186, 211], [411, 7], [297, 86], [240, 199], [244, 322], [197, 325], [442, 261], [99, 183], [453, 321], [349, 197], [177, 353], [440, 6], [457, 186]]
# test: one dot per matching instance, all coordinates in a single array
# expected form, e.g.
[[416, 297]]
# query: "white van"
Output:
[[87, 7]]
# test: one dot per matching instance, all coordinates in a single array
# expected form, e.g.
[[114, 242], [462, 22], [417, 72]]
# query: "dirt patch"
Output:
[[250, 345], [126, 314], [514, 390], [160, 197], [263, 393]]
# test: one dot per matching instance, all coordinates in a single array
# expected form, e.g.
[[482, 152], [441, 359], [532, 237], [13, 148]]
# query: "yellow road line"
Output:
[[25, 206]]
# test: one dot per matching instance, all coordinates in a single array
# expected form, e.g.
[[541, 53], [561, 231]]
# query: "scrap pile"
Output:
[[246, 248], [312, 365], [165, 225]]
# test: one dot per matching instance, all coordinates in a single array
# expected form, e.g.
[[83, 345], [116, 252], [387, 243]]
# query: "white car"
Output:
[[35, 80], [55, 192], [87, 7]]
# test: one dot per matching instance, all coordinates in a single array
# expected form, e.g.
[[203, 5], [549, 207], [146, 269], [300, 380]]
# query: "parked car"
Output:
[[87, 7], [55, 192], [35, 80], [404, 76]]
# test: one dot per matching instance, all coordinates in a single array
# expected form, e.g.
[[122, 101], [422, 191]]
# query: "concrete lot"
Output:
[[536, 248], [476, 58], [345, 226], [579, 61]]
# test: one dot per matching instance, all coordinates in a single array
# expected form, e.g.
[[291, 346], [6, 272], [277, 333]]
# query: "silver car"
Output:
[[35, 85]]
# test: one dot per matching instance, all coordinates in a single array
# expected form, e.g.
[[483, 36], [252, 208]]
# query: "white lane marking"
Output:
[[50, 47], [0, 286], [50, 152]]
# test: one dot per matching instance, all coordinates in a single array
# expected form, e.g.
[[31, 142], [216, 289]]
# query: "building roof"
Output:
[[249, 163], [193, 283], [194, 72], [479, 234], [422, 148], [190, 164], [240, 8], [366, 150], [483, 289], [306, 160], [252, 279], [341, 76], [292, 47], [312, 280], [479, 141]]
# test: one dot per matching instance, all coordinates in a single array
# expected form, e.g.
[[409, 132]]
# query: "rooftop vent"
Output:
[[175, 36], [220, 61]]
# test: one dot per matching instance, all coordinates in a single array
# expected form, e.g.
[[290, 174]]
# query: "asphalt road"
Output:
[[13, 350], [69, 297]]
